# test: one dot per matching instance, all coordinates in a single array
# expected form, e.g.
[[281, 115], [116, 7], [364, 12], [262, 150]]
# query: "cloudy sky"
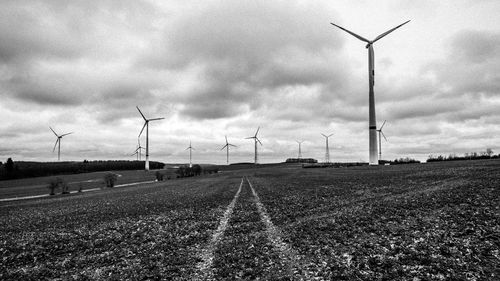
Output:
[[225, 67]]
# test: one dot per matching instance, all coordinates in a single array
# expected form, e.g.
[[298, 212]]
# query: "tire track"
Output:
[[204, 269], [285, 251]]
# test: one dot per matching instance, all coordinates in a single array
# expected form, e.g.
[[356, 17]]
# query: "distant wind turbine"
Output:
[[327, 153], [190, 147], [380, 140], [300, 148], [146, 125], [256, 139], [227, 149], [138, 150], [371, 74], [58, 142]]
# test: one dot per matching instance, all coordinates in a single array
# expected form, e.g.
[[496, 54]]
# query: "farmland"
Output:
[[436, 221]]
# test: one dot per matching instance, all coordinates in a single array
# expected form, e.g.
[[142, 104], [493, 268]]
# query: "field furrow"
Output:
[[245, 251]]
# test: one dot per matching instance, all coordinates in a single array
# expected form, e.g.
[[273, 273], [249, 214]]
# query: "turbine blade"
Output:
[[383, 135], [154, 119], [54, 149], [389, 31], [232, 145], [145, 123], [223, 147], [141, 113], [250, 138], [324, 135], [352, 33], [258, 140], [53, 131], [226, 139], [257, 131], [67, 134], [382, 125], [330, 135]]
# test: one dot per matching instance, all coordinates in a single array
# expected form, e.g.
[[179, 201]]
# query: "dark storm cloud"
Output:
[[55, 52], [452, 89], [32, 30], [42, 91], [473, 65], [248, 51], [473, 47], [424, 107]]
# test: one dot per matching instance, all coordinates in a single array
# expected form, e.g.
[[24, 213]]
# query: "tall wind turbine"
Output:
[[256, 139], [327, 153], [227, 149], [190, 147], [371, 74], [380, 140], [300, 149], [146, 125], [58, 142]]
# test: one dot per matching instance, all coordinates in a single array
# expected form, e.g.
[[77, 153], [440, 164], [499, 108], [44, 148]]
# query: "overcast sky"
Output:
[[225, 67]]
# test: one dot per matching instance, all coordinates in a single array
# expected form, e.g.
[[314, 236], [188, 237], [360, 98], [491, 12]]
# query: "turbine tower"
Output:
[[371, 74], [227, 149], [380, 140], [300, 150], [58, 141], [256, 139], [146, 125], [327, 153], [190, 147]]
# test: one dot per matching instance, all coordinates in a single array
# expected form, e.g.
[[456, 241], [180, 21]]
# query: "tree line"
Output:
[[196, 170], [487, 154], [23, 169]]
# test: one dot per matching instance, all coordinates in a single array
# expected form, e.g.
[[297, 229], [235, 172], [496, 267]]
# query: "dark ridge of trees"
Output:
[[301, 160], [23, 169], [488, 154], [186, 171], [334, 165], [398, 161]]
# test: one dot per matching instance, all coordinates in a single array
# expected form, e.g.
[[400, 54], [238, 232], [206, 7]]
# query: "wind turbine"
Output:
[[371, 74], [300, 150], [256, 139], [146, 125], [138, 150], [227, 149], [58, 141], [327, 153], [380, 140], [190, 149]]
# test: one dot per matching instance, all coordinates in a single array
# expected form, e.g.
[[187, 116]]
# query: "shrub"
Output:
[[57, 183], [110, 179], [159, 176]]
